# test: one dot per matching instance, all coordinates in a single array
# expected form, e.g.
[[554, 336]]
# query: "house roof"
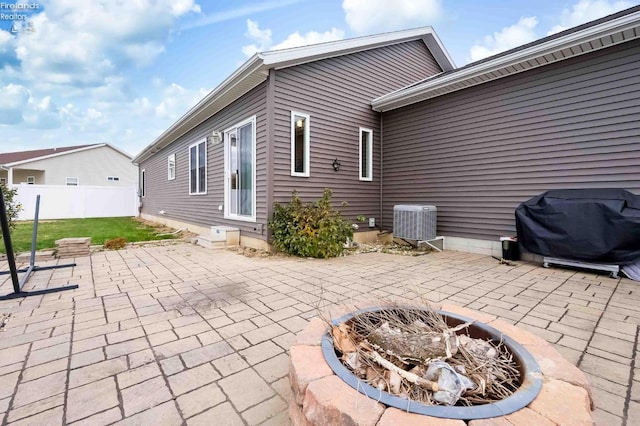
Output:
[[599, 34], [10, 159], [256, 70]]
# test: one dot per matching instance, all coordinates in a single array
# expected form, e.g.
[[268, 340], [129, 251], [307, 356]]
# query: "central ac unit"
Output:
[[412, 222]]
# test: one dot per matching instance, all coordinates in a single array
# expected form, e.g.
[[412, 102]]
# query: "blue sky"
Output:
[[76, 72]]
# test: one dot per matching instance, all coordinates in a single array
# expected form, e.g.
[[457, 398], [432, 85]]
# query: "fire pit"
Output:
[[550, 389]]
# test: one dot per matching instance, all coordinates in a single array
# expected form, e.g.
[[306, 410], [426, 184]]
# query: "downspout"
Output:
[[270, 150], [381, 168]]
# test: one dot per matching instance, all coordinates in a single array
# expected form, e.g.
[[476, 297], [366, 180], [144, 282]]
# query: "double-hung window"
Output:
[[300, 124], [71, 181], [366, 154], [171, 167], [198, 168]]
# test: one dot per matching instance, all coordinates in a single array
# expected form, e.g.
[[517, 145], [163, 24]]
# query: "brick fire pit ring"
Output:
[[320, 397]]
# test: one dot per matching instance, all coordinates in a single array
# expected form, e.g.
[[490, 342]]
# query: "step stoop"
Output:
[[220, 237]]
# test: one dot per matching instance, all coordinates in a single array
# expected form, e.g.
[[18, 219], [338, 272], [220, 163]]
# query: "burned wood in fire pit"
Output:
[[415, 354]]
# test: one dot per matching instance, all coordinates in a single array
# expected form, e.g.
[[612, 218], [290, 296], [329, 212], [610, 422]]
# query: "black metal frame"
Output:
[[18, 284]]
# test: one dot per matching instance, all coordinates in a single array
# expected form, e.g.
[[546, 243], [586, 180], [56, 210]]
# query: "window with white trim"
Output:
[[300, 124], [143, 183], [70, 181], [3, 180], [366, 154], [31, 180], [198, 168], [171, 167]]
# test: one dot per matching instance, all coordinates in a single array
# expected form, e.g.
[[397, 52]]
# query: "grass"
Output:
[[99, 229]]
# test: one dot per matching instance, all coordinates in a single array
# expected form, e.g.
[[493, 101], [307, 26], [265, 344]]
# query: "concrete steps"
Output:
[[220, 237]]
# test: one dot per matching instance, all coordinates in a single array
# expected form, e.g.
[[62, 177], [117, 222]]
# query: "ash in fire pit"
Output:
[[431, 362]]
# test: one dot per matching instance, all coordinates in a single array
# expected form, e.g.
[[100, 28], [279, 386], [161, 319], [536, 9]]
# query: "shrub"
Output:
[[12, 206], [309, 229], [115, 243]]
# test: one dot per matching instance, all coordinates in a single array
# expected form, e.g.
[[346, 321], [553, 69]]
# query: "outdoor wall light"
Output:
[[336, 165], [215, 137]]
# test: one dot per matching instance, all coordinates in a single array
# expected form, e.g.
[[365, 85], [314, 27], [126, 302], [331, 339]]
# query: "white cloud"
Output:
[[83, 43], [43, 114], [312, 37], [364, 16], [6, 41], [509, 37], [262, 39], [12, 103], [587, 10], [19, 107], [176, 101]]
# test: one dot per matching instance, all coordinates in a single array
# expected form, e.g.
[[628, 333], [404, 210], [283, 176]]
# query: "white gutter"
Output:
[[403, 97], [252, 65], [260, 63]]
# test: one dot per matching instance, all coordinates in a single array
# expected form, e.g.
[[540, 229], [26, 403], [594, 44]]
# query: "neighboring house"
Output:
[[561, 112], [96, 165]]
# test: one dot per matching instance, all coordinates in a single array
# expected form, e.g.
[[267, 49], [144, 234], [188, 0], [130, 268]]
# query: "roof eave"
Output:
[[437, 86], [55, 154], [285, 58], [252, 71], [255, 71]]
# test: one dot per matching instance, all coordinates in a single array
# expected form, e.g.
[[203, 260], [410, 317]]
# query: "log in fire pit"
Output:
[[337, 379]]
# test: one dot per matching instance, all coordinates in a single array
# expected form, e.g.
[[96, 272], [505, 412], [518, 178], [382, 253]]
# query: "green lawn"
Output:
[[99, 229]]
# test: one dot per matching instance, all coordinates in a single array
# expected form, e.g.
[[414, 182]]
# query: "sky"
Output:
[[122, 71]]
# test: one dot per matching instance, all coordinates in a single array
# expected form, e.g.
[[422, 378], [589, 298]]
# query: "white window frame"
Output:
[[66, 181], [307, 144], [3, 180], [171, 171], [31, 180], [369, 155], [226, 214], [196, 144], [143, 183]]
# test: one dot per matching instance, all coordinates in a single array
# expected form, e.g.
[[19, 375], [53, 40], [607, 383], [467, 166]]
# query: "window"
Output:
[[31, 180], [171, 167], [113, 178], [3, 180], [198, 168], [366, 154], [143, 183], [71, 181], [300, 144]]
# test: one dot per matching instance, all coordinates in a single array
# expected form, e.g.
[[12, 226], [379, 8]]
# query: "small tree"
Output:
[[11, 205], [309, 229]]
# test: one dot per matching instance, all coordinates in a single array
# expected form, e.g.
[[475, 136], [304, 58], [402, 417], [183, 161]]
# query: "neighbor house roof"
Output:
[[599, 34], [16, 158], [256, 70]]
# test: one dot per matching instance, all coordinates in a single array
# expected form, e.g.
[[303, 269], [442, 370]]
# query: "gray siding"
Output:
[[477, 153], [173, 195], [337, 95]]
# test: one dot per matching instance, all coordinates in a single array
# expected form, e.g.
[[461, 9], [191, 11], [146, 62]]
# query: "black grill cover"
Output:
[[591, 225]]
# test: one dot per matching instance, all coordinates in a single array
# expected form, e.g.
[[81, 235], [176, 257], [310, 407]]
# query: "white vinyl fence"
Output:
[[69, 202]]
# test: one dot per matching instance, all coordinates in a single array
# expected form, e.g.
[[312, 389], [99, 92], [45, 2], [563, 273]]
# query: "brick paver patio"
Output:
[[181, 334]]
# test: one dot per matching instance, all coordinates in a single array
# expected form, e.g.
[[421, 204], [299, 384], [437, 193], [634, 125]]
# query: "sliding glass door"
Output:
[[240, 171]]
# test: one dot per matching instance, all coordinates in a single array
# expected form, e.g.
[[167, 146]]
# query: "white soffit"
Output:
[[592, 38]]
